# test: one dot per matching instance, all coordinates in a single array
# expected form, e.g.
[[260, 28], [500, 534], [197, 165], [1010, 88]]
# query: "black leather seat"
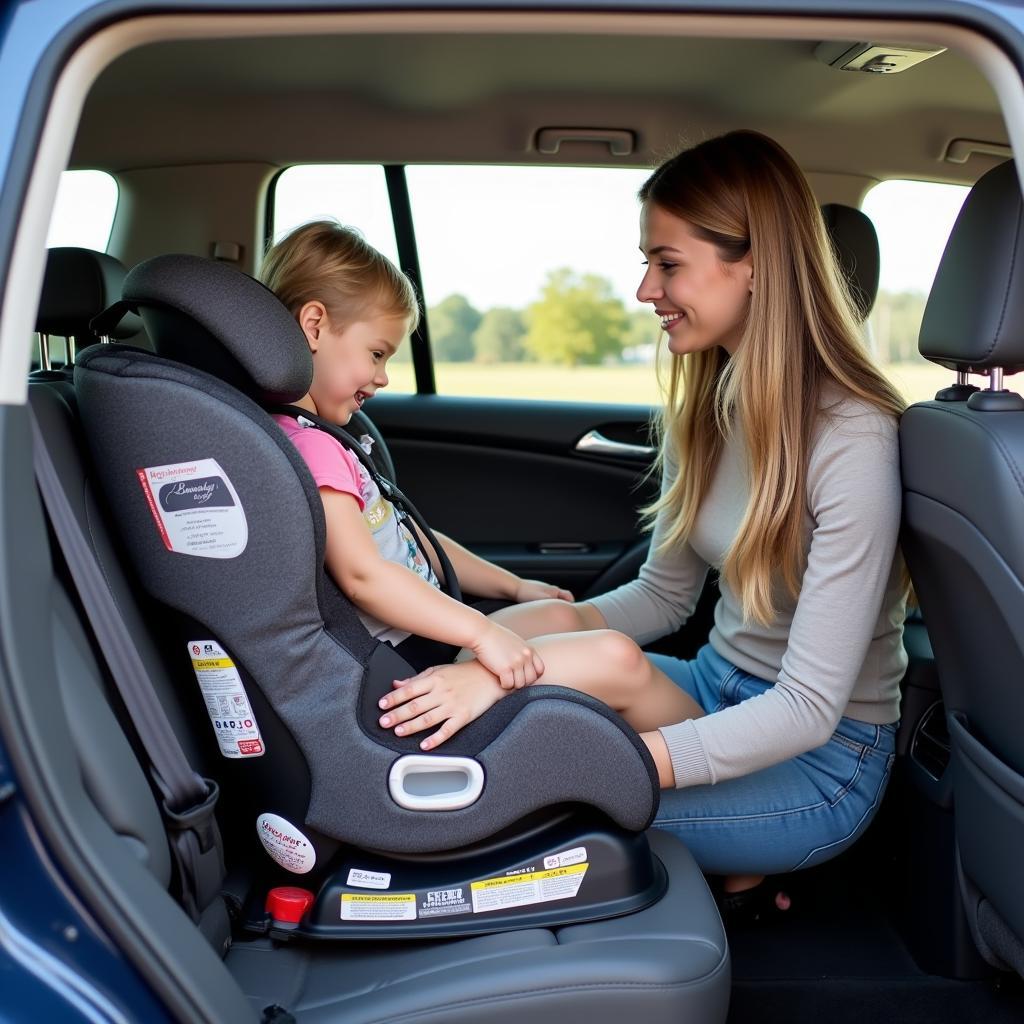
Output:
[[963, 478]]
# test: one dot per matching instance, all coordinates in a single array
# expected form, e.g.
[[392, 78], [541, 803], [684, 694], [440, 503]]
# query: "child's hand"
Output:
[[453, 695], [534, 590], [508, 656]]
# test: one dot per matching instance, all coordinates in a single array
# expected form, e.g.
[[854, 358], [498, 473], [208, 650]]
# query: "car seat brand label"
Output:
[[577, 855], [368, 879], [441, 902], [195, 508], [523, 889], [233, 722], [357, 906], [285, 844]]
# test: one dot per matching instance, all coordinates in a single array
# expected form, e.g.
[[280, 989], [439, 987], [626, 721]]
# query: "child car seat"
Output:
[[539, 806]]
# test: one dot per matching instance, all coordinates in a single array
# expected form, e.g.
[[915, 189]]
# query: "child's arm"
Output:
[[481, 578], [397, 596]]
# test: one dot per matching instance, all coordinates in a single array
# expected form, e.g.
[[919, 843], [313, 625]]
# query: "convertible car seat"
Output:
[[665, 963], [963, 479], [224, 526]]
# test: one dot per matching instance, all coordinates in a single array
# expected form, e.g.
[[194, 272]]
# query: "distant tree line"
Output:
[[578, 320]]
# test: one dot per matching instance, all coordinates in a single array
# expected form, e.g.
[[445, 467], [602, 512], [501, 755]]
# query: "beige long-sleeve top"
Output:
[[836, 649]]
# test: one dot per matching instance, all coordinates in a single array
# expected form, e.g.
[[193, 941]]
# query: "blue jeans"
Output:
[[792, 815]]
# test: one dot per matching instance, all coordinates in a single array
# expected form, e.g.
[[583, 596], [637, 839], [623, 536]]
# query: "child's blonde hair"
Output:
[[326, 262]]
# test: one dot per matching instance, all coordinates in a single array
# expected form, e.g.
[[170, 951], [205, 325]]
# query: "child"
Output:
[[355, 308]]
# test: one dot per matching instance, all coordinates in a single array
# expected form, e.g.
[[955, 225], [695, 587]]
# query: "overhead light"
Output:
[[874, 58]]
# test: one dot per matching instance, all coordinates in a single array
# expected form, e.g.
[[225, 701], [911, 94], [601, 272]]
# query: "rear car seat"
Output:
[[665, 963]]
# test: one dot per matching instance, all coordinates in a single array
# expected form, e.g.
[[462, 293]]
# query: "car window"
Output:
[[84, 211], [357, 196], [913, 220], [529, 278]]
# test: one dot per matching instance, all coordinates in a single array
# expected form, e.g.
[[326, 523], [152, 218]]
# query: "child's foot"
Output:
[[752, 903]]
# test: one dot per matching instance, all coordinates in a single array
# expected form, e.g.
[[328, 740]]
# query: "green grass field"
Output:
[[628, 384]]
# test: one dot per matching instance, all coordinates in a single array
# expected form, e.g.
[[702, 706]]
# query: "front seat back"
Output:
[[963, 478]]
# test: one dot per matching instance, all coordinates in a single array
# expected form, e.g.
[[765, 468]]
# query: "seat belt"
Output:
[[413, 520], [187, 799]]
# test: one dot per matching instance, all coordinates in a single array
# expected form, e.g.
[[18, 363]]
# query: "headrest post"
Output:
[[44, 351], [69, 349], [961, 378], [995, 379], [104, 339]]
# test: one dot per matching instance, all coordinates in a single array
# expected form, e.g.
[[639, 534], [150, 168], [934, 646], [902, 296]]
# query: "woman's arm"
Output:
[[854, 496], [397, 596]]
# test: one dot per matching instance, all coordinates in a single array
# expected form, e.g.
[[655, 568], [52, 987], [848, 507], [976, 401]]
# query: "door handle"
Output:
[[593, 442]]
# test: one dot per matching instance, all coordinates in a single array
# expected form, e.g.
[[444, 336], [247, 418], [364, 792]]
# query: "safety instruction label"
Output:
[[359, 906], [196, 508], [234, 724], [531, 887]]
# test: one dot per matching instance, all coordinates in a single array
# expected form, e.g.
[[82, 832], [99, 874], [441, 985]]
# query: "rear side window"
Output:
[[529, 278], [356, 195], [84, 212], [913, 220]]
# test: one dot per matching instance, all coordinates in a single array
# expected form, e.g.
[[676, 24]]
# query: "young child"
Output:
[[355, 308]]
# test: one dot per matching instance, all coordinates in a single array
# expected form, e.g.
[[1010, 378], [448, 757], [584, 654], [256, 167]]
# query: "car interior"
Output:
[[153, 352]]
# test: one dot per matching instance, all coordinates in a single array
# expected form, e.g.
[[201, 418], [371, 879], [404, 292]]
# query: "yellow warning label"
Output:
[[531, 887], [356, 906], [207, 663]]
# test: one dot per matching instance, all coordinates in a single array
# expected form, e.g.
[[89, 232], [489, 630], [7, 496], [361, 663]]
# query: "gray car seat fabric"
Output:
[[963, 479], [296, 640]]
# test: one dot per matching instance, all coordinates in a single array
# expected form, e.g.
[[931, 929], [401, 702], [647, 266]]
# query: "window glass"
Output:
[[913, 220], [357, 196], [529, 275], [84, 211]]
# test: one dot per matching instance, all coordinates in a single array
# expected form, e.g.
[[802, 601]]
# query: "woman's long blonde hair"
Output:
[[743, 192]]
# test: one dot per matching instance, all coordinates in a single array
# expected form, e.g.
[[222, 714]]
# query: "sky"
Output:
[[493, 233]]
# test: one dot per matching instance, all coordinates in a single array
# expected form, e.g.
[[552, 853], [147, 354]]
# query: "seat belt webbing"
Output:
[[188, 798]]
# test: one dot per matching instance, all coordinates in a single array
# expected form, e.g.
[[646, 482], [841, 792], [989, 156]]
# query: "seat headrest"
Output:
[[215, 318], [78, 284], [974, 318], [856, 244]]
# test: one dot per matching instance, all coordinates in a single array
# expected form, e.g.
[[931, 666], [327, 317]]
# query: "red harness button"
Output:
[[288, 903]]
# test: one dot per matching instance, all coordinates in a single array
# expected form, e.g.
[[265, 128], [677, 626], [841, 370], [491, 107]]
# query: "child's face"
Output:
[[349, 362]]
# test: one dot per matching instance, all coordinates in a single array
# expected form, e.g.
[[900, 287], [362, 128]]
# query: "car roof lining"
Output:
[[96, 58]]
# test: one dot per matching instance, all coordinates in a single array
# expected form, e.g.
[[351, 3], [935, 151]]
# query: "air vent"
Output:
[[930, 745], [874, 58]]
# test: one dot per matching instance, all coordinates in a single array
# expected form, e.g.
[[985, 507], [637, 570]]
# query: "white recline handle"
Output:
[[421, 783]]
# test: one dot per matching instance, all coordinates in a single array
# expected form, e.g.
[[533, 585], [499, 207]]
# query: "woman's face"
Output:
[[702, 300]]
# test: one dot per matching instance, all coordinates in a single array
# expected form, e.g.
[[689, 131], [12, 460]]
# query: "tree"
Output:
[[452, 323], [578, 319], [895, 324], [499, 338]]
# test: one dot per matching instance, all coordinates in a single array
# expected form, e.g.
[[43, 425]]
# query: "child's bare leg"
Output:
[[612, 668]]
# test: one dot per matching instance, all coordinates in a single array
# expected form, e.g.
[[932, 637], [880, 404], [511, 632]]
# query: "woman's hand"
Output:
[[452, 695], [534, 590], [507, 655]]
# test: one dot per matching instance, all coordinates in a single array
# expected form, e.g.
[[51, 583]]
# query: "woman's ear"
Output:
[[311, 319], [747, 263]]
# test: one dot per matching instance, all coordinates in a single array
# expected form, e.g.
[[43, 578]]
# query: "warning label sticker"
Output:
[[234, 724], [532, 887], [196, 509], [442, 902], [358, 906], [285, 844]]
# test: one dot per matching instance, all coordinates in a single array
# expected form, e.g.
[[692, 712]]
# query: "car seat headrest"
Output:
[[856, 244], [215, 318], [974, 318], [78, 283]]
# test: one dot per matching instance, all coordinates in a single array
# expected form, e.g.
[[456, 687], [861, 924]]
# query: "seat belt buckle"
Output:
[[198, 818]]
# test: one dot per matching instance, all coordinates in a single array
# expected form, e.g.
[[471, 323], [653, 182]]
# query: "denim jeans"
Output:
[[792, 815]]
